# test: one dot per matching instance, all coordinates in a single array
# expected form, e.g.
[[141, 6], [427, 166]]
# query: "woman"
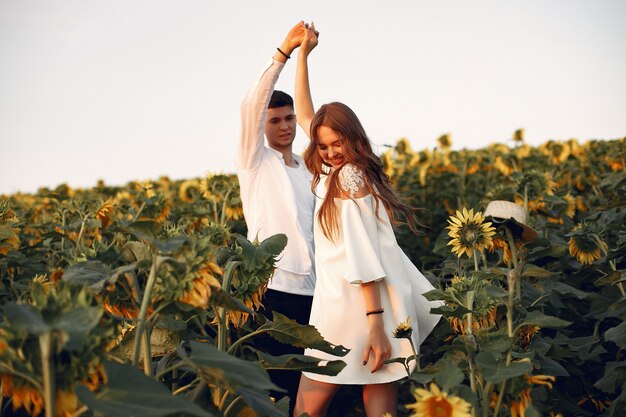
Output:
[[365, 285]]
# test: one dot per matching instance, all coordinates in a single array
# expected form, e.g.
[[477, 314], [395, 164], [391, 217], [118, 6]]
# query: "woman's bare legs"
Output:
[[314, 397], [380, 398]]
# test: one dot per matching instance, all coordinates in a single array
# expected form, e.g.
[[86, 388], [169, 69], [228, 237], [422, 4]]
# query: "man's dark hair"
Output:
[[280, 99]]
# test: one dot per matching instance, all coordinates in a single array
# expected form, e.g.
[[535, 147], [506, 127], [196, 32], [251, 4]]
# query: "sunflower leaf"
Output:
[[291, 332], [302, 363], [226, 370], [130, 393], [537, 318]]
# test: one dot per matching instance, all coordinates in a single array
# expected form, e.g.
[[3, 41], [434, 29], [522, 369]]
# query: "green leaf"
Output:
[[300, 363], [171, 245], [221, 298], [611, 278], [450, 311], [291, 332], [145, 229], [77, 323], [262, 404], [23, 317], [536, 272], [135, 251], [613, 378], [226, 370], [450, 376], [495, 291], [562, 288], [496, 372], [617, 334], [255, 256], [130, 393], [537, 318], [90, 273]]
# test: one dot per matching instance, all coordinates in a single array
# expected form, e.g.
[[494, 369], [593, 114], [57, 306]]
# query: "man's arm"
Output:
[[254, 105]]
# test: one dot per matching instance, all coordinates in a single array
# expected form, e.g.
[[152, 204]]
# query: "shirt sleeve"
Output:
[[254, 115], [360, 229]]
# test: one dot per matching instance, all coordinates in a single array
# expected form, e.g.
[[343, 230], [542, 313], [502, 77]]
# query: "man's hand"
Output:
[[292, 41]]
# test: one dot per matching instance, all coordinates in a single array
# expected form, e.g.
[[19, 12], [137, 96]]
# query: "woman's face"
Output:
[[330, 146]]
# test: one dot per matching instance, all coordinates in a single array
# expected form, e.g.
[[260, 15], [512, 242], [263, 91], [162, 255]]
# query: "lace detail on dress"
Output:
[[351, 179]]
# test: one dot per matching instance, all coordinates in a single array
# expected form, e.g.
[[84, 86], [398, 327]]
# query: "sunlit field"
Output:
[[141, 300]]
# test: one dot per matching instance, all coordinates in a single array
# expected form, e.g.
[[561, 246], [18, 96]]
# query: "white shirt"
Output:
[[275, 199]]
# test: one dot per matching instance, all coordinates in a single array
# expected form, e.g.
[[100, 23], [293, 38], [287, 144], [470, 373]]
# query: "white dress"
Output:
[[364, 250]]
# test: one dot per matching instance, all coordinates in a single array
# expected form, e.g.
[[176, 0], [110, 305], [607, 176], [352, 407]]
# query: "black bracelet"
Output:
[[284, 54], [379, 311]]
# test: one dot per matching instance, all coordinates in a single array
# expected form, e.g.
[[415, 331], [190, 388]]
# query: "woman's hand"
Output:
[[377, 343], [310, 39]]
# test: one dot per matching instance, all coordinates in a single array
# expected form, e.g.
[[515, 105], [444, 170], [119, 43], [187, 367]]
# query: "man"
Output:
[[276, 197]]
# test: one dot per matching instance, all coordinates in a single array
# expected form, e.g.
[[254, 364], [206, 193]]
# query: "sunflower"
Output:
[[484, 320], [189, 190], [518, 136], [599, 405], [23, 396], [469, 232], [233, 213], [444, 141], [388, 164], [520, 404], [200, 292], [523, 151], [585, 243], [8, 239], [66, 403], [571, 206], [437, 403], [546, 380], [502, 166], [403, 330], [557, 152], [500, 243], [527, 333], [104, 213]]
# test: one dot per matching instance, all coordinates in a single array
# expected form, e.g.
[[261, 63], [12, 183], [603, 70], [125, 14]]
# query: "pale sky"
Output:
[[136, 89]]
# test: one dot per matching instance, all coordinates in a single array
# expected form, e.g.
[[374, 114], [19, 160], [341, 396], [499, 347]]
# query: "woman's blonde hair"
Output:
[[356, 150]]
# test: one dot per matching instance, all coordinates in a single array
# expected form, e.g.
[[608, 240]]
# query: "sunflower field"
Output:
[[141, 300]]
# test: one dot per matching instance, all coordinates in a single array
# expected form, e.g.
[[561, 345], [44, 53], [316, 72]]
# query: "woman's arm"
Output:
[[303, 101], [377, 341]]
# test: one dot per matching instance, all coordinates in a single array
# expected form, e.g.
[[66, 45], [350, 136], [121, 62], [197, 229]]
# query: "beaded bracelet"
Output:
[[379, 311], [284, 54]]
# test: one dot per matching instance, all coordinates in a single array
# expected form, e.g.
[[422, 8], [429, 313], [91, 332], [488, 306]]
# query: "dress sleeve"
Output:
[[360, 229]]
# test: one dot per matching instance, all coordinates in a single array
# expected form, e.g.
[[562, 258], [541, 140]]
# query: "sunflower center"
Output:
[[470, 234], [439, 407]]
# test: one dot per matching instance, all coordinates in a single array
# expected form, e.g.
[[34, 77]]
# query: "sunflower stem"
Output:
[[242, 339], [80, 236], [47, 365], [231, 405], [145, 303], [222, 321]]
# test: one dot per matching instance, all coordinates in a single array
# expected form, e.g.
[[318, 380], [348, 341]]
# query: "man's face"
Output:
[[280, 128]]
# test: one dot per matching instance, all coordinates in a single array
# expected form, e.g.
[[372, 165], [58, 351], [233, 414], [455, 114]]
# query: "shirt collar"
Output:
[[281, 157]]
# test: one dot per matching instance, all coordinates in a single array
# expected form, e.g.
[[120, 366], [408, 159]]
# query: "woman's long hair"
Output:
[[356, 150]]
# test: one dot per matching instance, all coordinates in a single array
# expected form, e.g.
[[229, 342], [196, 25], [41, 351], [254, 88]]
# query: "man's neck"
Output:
[[287, 156]]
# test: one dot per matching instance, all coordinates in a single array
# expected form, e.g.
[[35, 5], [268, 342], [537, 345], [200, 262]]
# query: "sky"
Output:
[[134, 90]]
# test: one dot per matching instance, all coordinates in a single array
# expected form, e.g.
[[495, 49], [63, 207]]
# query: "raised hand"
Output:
[[310, 38], [293, 40]]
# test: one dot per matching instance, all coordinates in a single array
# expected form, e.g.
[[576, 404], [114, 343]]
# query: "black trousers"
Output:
[[298, 308]]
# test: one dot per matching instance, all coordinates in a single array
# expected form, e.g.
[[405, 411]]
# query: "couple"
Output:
[[365, 283]]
